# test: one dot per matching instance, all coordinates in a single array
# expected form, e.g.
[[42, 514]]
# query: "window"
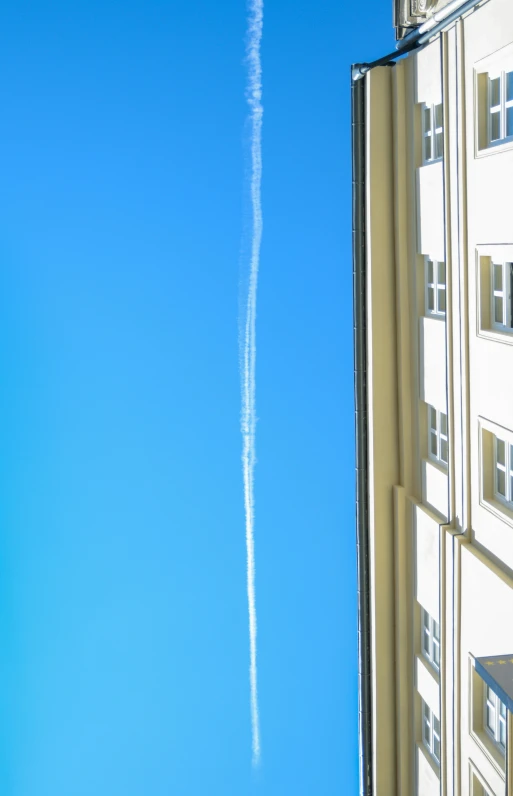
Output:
[[495, 718], [430, 639], [438, 441], [431, 732], [500, 107], [435, 288], [502, 290], [503, 471], [433, 133]]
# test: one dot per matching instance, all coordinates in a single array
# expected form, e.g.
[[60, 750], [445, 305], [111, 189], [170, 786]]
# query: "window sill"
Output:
[[496, 148], [438, 463], [499, 509], [433, 160], [490, 750], [497, 336], [424, 751]]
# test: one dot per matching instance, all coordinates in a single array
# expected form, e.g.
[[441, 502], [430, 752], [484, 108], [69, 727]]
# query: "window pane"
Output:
[[441, 299], [441, 273], [495, 126], [501, 452], [436, 654], [438, 115], [444, 451], [432, 418], [436, 748], [436, 630], [425, 643], [430, 271], [509, 86], [501, 482], [427, 734], [431, 299], [502, 708], [509, 277], [427, 120], [439, 144], [434, 445], [495, 91], [443, 423], [427, 143], [498, 312], [509, 120], [490, 718], [502, 733], [497, 277]]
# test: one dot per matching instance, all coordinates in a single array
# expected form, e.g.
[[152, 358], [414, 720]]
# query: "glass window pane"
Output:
[[432, 418], [441, 273], [427, 120], [501, 482], [495, 91], [495, 126], [434, 445], [427, 734], [443, 423], [501, 454], [498, 312], [502, 709], [430, 271], [509, 120], [490, 718], [426, 643], [509, 86], [438, 115], [436, 630], [431, 299], [441, 299], [436, 748], [497, 276], [444, 451], [502, 733], [439, 145], [436, 654]]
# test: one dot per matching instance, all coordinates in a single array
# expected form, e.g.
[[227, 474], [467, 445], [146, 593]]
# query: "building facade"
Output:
[[433, 301]]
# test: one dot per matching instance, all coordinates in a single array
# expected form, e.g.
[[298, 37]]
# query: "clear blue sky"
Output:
[[124, 664]]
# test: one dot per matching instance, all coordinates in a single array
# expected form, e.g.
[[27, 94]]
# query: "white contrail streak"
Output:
[[248, 415]]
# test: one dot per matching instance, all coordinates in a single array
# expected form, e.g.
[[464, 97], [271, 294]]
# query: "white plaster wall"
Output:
[[431, 210], [427, 685], [428, 75], [427, 561], [428, 783], [435, 488], [432, 363]]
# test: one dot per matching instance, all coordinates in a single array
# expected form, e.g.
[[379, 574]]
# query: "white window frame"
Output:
[[499, 109], [430, 640], [438, 287], [435, 431], [497, 726], [504, 294], [430, 132], [431, 732], [506, 469]]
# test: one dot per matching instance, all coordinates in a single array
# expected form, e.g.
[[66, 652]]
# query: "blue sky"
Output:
[[124, 665]]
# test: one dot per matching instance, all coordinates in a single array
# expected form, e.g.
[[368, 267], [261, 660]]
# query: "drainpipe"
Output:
[[361, 430]]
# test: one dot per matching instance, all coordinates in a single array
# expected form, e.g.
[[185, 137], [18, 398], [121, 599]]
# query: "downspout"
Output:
[[361, 430]]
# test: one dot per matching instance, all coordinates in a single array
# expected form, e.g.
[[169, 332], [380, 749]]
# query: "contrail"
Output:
[[248, 414]]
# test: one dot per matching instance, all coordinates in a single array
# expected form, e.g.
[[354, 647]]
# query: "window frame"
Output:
[[430, 628], [500, 109], [437, 286], [500, 718], [431, 133], [433, 741], [506, 468], [441, 437], [505, 293]]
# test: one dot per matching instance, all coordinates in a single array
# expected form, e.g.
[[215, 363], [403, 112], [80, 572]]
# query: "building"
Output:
[[433, 299]]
